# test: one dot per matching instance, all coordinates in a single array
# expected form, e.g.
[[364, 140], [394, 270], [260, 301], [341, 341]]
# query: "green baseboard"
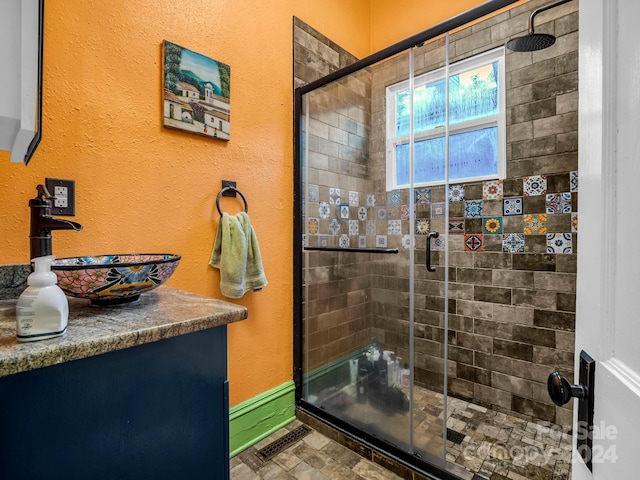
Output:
[[260, 416]]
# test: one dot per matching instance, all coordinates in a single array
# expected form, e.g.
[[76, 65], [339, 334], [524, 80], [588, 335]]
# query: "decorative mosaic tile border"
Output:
[[475, 210]]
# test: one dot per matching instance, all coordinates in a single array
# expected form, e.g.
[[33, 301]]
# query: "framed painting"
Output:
[[196, 92]]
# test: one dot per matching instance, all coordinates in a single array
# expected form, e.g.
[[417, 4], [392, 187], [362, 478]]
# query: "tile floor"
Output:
[[483, 445], [314, 457]]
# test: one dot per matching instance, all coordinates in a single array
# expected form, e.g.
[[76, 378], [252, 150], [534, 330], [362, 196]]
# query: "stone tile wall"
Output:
[[512, 244], [337, 307]]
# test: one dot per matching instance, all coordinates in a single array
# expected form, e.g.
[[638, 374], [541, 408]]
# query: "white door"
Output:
[[607, 321]]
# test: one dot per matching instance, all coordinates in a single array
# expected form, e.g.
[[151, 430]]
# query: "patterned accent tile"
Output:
[[314, 226], [334, 196], [334, 226], [362, 213], [456, 193], [404, 212], [439, 244], [438, 210], [381, 241], [534, 185], [456, 226], [492, 225], [323, 240], [354, 228], [559, 243], [535, 224], [371, 200], [362, 241], [344, 241], [354, 199], [513, 243], [394, 198], [314, 193], [492, 190], [381, 213], [422, 226], [558, 203], [371, 227], [573, 181], [574, 222], [423, 195], [473, 208], [324, 210], [395, 227], [512, 206], [406, 241], [344, 211], [473, 243]]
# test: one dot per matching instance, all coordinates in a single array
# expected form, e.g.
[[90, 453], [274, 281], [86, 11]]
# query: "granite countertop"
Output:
[[162, 313]]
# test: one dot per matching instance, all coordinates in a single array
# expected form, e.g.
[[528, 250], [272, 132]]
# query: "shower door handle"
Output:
[[430, 235]]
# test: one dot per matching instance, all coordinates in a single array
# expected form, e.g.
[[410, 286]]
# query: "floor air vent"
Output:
[[455, 437], [284, 442]]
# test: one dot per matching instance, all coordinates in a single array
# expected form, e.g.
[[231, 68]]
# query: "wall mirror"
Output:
[[21, 41]]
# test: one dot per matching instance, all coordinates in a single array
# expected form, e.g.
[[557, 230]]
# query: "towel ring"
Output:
[[226, 189]]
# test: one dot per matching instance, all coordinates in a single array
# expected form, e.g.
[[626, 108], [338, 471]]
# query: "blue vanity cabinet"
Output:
[[154, 411]]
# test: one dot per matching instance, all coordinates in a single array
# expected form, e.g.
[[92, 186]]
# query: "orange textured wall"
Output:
[[408, 17], [143, 188]]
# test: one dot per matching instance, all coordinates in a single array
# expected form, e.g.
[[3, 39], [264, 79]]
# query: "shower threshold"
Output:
[[481, 443]]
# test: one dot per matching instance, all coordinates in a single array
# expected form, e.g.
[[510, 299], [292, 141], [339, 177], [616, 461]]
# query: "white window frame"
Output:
[[497, 120]]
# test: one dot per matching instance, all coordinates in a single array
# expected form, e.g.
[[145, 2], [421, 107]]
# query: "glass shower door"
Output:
[[456, 150], [360, 224], [422, 162]]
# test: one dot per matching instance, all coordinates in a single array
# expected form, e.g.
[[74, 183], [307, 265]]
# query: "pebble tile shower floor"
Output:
[[489, 445]]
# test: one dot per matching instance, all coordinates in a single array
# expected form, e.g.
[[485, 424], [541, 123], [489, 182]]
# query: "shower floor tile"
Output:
[[493, 443]]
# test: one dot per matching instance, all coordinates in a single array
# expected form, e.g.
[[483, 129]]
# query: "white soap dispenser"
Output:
[[42, 310]]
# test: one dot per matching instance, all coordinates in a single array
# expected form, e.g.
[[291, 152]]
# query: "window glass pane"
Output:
[[429, 112], [428, 161], [474, 153], [402, 164], [471, 154], [402, 113], [474, 93]]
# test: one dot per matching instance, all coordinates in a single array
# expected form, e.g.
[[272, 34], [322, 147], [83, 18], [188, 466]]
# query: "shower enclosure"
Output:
[[435, 229]]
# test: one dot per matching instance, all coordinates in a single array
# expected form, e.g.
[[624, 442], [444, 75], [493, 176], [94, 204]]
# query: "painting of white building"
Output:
[[196, 92]]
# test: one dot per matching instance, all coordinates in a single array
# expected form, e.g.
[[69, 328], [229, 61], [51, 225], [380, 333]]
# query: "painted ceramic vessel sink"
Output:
[[113, 279]]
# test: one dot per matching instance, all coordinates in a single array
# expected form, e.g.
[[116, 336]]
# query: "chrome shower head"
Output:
[[534, 41]]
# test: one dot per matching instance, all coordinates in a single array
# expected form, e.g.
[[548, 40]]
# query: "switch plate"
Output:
[[64, 192]]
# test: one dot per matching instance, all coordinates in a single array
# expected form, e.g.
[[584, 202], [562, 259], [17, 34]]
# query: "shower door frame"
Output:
[[343, 427]]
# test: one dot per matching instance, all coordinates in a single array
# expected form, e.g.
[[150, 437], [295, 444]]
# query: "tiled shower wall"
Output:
[[513, 243], [337, 307]]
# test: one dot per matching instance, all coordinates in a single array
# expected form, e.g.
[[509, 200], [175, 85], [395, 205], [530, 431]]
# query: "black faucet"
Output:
[[42, 223]]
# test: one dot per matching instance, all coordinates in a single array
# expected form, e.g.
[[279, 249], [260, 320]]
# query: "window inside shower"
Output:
[[444, 370], [477, 129]]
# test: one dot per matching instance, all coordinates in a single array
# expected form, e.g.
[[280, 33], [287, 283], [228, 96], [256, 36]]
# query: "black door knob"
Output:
[[561, 391]]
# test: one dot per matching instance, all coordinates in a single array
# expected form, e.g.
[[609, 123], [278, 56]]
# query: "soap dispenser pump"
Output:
[[42, 310]]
